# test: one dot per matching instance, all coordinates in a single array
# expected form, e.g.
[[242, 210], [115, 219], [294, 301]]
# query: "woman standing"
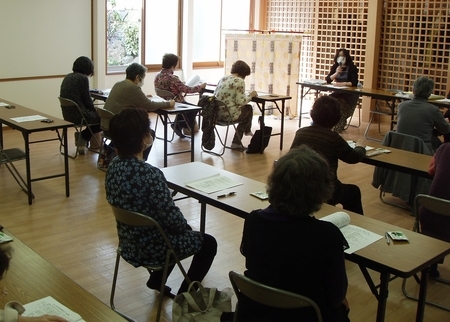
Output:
[[344, 73]]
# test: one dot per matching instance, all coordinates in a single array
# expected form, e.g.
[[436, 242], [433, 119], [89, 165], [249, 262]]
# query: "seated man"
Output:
[[128, 93], [166, 80], [326, 113], [419, 118]]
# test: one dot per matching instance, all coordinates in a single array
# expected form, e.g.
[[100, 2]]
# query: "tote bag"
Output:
[[205, 304]]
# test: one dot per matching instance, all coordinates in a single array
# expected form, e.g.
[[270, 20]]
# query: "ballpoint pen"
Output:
[[227, 194], [387, 238]]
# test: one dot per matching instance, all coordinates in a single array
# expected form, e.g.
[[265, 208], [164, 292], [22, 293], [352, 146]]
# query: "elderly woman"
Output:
[[13, 310], [231, 91], [325, 114], [286, 247], [344, 73], [132, 184], [419, 118]]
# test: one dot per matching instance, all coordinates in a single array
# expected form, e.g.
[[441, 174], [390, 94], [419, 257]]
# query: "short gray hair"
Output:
[[423, 87]]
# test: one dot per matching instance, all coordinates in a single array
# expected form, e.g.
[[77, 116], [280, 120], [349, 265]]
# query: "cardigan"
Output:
[[126, 94]]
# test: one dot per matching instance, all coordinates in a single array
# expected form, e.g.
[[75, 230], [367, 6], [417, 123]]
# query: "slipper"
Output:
[[167, 290]]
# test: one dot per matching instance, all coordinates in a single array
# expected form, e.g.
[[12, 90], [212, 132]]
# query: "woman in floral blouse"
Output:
[[132, 184], [231, 91]]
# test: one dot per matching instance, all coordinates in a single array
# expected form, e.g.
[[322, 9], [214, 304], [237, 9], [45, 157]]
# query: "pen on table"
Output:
[[227, 194], [387, 238]]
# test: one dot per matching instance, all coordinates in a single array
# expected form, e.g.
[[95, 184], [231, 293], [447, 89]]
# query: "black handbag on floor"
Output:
[[255, 142]]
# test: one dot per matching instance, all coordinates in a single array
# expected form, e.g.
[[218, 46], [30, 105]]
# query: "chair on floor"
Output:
[[380, 111], [358, 106], [269, 296], [167, 96], [136, 219], [104, 154], [7, 157], [71, 110], [401, 185], [440, 210], [216, 132]]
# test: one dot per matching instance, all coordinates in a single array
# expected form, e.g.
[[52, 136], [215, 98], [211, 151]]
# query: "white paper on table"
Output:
[[4, 104], [48, 305], [336, 86], [28, 118], [353, 144], [357, 237], [445, 100], [213, 183]]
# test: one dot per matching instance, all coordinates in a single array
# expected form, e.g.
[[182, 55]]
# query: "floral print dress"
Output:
[[135, 185]]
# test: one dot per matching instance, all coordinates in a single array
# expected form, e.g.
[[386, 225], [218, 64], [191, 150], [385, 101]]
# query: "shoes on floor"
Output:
[[188, 132], [249, 133], [167, 289], [80, 143], [238, 147], [95, 141], [177, 130]]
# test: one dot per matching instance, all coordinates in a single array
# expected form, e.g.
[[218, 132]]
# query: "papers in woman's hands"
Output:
[[213, 183], [48, 305], [194, 80], [356, 237]]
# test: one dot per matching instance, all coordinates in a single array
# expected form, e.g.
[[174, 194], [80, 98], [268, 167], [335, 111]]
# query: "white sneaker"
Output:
[[186, 131], [238, 147]]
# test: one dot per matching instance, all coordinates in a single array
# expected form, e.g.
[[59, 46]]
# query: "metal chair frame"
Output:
[[105, 117], [7, 157], [439, 206], [64, 102], [223, 141], [136, 219], [270, 296]]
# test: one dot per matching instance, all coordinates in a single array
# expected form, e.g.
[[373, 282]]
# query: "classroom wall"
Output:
[[38, 88]]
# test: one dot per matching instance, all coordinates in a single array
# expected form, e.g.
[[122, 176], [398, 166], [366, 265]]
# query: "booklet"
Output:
[[194, 80], [356, 237], [4, 238], [48, 305]]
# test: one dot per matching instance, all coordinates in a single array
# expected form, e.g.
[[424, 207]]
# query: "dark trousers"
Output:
[[86, 134], [181, 123], [349, 197], [200, 265]]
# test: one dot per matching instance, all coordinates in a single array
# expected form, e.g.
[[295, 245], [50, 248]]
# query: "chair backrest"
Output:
[[221, 104], [406, 142], [167, 95], [69, 108], [436, 205], [132, 218], [270, 296], [105, 117]]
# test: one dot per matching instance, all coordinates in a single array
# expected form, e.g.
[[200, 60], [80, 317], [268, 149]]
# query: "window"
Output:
[[122, 33], [144, 30]]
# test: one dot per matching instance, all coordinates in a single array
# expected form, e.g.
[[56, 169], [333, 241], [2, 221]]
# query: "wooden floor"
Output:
[[78, 234]]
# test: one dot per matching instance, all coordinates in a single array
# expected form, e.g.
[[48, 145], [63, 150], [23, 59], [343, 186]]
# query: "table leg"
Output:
[[422, 295], [28, 166], [261, 126], [166, 123], [282, 123], [66, 162], [383, 295], [202, 216], [301, 106]]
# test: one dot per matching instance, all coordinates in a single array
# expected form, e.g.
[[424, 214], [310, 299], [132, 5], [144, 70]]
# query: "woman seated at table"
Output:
[[13, 310], [287, 248], [75, 87], [132, 184], [166, 80], [325, 114], [231, 91], [344, 73]]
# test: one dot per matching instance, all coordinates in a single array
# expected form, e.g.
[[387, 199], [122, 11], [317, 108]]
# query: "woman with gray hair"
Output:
[[287, 248], [419, 118]]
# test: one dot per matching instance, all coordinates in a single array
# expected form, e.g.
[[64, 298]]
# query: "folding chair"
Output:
[[438, 206], [7, 157], [70, 108], [269, 296], [167, 96], [105, 117], [401, 185], [136, 219], [227, 124]]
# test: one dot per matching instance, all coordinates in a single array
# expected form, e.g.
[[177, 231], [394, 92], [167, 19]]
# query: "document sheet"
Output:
[[213, 183], [48, 305]]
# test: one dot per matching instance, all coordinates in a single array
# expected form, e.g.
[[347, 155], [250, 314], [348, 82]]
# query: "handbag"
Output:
[[255, 142], [205, 304]]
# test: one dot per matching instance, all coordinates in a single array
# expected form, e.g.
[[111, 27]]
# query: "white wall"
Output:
[[41, 94]]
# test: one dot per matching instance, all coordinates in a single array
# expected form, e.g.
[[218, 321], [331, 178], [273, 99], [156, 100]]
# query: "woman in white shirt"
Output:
[[231, 91]]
